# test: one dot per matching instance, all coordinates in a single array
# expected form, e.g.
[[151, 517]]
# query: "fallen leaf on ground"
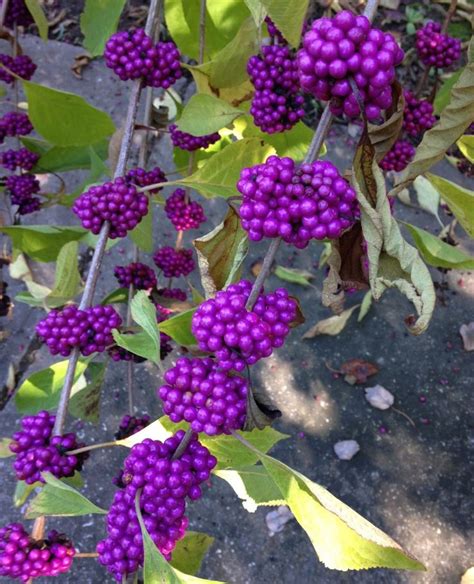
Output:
[[379, 397], [346, 449], [277, 519], [358, 370], [468, 576], [80, 63], [332, 325], [467, 333]]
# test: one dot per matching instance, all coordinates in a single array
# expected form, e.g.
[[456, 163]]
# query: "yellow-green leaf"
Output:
[[458, 199], [205, 114], [332, 325], [288, 17], [39, 17], [466, 145], [179, 328], [99, 20], [190, 551]]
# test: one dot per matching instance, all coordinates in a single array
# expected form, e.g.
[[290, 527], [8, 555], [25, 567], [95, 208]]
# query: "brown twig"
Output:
[[449, 14]]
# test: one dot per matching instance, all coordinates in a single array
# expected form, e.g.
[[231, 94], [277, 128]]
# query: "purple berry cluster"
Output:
[[280, 199], [17, 13], [22, 189], [240, 337], [171, 293], [130, 425], [37, 450], [21, 65], [23, 558], [174, 262], [141, 276], [277, 104], [436, 49], [399, 156], [183, 213], [14, 124], [162, 485], [117, 202], [418, 115], [211, 400], [167, 69], [344, 48], [144, 178], [90, 330], [22, 158], [188, 141]]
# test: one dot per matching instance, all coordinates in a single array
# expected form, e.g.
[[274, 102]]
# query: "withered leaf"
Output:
[[357, 371]]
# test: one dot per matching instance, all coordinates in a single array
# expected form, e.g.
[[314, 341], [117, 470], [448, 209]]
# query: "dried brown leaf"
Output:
[[357, 371]]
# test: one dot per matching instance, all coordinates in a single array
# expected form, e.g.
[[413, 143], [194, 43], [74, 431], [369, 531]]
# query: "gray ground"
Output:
[[414, 483]]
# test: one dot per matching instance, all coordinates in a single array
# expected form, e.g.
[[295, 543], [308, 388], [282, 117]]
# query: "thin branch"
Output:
[[92, 447], [264, 271], [319, 135], [371, 9], [449, 14], [183, 444], [87, 555], [202, 31], [3, 13]]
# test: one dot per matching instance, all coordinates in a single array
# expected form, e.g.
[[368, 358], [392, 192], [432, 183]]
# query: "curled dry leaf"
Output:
[[357, 371], [276, 520], [379, 397], [384, 136], [467, 333], [80, 62], [346, 449], [332, 325]]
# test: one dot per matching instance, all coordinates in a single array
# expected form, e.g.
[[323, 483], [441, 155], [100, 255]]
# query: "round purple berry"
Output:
[[15, 124], [174, 262], [188, 141], [183, 213], [130, 54], [436, 49], [144, 178], [22, 187], [17, 14], [130, 425], [418, 115], [141, 276], [399, 156], [21, 65], [22, 158], [166, 66]]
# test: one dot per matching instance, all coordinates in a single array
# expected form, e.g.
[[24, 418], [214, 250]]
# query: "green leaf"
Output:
[[40, 391], [67, 279], [256, 10], [65, 158], [443, 95], [140, 344], [438, 253], [190, 551], [428, 196], [36, 145], [23, 491], [142, 235], [5, 451], [393, 263], [293, 275], [461, 30], [205, 114], [458, 199], [221, 253], [253, 486], [332, 325], [178, 327], [57, 499], [466, 145], [454, 120], [155, 431], [288, 17], [365, 306], [65, 119], [119, 296], [39, 17], [218, 177], [99, 21], [144, 314], [85, 404], [42, 242]]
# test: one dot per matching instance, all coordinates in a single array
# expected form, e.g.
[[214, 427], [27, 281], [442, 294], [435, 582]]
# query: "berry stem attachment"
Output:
[[319, 135], [92, 447], [183, 444], [87, 555], [264, 271]]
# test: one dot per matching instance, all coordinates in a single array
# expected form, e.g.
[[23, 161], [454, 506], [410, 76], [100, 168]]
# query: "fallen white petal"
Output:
[[467, 333], [277, 519], [379, 397], [346, 449]]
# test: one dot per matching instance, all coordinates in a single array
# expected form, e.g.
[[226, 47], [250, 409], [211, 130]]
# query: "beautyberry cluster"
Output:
[[280, 199], [172, 294], [174, 262], [399, 156], [22, 158], [23, 558], [117, 202], [21, 65], [140, 275], [90, 330], [37, 450], [436, 49], [162, 486], [144, 178], [211, 400], [418, 115], [188, 141], [240, 337], [22, 189], [277, 104], [167, 69], [130, 425], [183, 213], [14, 124], [344, 49], [17, 13]]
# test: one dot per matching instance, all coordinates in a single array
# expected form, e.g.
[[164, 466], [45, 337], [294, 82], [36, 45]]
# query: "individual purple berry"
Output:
[[23, 558], [399, 157], [174, 262], [15, 124], [183, 213], [141, 276], [90, 330], [436, 49], [130, 425], [144, 178], [418, 115], [29, 206], [277, 104], [240, 337], [188, 141], [344, 49], [17, 13], [21, 189], [22, 158], [166, 66], [273, 31], [280, 199], [37, 450], [131, 54], [21, 65], [163, 485], [211, 400], [117, 202]]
